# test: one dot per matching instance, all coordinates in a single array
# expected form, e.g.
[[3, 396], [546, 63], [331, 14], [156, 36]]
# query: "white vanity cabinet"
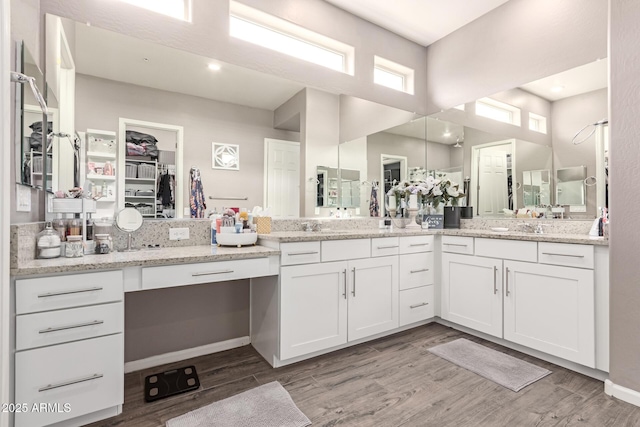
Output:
[[503, 290], [324, 305], [69, 347], [552, 309], [472, 292]]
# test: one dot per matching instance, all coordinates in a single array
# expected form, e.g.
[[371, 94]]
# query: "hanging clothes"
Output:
[[165, 189], [374, 206], [196, 195]]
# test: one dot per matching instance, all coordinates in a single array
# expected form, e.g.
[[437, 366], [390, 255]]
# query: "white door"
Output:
[[282, 178], [493, 193], [313, 301], [472, 292], [551, 309], [373, 296]]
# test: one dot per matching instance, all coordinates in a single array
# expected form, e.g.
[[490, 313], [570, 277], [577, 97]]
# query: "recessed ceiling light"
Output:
[[214, 67], [446, 134], [145, 59], [557, 88]]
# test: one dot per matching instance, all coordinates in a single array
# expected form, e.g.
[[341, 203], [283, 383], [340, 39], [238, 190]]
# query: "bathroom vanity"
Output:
[[313, 293]]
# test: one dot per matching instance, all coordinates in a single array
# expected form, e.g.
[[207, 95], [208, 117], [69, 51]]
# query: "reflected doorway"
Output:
[[493, 175]]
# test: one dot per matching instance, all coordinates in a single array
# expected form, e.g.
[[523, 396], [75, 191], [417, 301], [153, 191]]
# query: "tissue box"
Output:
[[263, 224]]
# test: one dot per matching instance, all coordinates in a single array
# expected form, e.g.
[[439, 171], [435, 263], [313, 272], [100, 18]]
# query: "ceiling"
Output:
[[436, 130], [422, 21], [118, 57], [583, 79]]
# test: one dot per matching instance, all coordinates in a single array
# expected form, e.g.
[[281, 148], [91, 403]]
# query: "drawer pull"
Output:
[[419, 244], [419, 271], [388, 247], [55, 294], [211, 272], [419, 305], [569, 255], [456, 244], [72, 382], [302, 253], [64, 328]]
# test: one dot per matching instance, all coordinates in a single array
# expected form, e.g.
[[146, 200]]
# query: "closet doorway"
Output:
[[282, 178]]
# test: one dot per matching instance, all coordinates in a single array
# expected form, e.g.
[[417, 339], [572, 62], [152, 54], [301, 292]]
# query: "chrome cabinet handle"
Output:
[[64, 328], [419, 305], [388, 247], [302, 253], [354, 281], [345, 283], [495, 280], [455, 244], [55, 294], [418, 271], [419, 244], [569, 255], [68, 383], [507, 282], [211, 272]]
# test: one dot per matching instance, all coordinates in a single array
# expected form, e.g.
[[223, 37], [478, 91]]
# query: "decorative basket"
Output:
[[263, 224], [145, 210], [130, 170], [146, 171]]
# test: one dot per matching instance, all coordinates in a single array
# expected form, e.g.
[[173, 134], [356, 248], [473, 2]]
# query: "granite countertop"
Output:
[[145, 258], [302, 236]]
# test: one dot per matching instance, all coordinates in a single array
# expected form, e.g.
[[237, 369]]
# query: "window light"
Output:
[[496, 110], [268, 31], [459, 107], [537, 123], [179, 9], [393, 75]]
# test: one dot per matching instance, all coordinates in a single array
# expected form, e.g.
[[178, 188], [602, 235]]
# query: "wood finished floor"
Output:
[[393, 381]]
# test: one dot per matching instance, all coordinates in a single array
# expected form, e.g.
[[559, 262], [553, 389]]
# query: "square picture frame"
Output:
[[225, 156]]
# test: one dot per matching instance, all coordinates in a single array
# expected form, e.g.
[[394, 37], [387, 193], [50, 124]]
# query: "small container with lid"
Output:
[[48, 243], [104, 243], [74, 247]]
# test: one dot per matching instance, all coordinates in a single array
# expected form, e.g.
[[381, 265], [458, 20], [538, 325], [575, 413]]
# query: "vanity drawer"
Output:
[[206, 272], [416, 305], [415, 244], [416, 270], [76, 290], [74, 324], [300, 253], [566, 254], [339, 250], [457, 244], [516, 250], [87, 376], [385, 246]]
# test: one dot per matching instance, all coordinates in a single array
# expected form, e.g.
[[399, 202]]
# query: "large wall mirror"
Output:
[[280, 137], [518, 150]]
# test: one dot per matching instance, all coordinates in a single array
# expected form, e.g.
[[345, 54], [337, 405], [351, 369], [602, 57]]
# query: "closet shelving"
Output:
[[141, 177], [101, 156]]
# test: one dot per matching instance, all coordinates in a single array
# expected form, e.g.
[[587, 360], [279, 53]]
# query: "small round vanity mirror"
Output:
[[129, 220]]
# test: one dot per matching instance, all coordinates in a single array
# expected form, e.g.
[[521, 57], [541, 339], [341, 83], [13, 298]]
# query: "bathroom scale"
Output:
[[170, 383]]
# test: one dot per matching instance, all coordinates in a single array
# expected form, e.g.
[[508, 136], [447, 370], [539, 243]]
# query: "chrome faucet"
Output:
[[539, 228], [534, 228]]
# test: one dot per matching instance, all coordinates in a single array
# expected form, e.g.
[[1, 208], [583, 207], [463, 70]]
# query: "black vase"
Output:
[[466, 212], [452, 217]]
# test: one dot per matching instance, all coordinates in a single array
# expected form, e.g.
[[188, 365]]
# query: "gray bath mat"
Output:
[[509, 372], [266, 406]]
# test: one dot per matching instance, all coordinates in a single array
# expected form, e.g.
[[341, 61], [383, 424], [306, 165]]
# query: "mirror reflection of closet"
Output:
[[326, 187], [536, 186]]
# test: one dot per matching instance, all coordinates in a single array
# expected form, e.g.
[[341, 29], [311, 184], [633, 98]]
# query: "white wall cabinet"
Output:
[[551, 309], [328, 304], [472, 292]]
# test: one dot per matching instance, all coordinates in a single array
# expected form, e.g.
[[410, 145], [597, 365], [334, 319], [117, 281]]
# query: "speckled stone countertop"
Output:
[[302, 236], [146, 258]]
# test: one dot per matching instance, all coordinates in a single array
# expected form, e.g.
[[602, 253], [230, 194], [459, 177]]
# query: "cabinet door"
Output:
[[472, 292], [313, 303], [373, 296], [551, 309]]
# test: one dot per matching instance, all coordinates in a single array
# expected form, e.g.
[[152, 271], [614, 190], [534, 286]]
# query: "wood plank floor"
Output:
[[393, 381]]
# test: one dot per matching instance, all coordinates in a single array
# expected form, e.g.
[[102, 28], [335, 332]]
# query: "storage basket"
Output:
[[146, 193], [146, 171], [130, 170], [100, 145], [263, 224], [37, 164], [129, 192], [145, 210]]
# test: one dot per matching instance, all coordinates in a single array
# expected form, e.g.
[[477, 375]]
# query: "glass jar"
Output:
[[103, 226], [60, 225], [74, 247], [48, 243], [104, 243], [75, 227]]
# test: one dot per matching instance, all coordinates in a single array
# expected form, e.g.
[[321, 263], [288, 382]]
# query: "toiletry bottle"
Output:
[[338, 215]]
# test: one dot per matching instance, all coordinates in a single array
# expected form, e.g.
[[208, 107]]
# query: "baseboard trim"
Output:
[[623, 393], [176, 356]]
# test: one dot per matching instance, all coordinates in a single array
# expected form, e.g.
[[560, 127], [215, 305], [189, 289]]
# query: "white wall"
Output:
[[208, 35], [519, 42], [100, 103]]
